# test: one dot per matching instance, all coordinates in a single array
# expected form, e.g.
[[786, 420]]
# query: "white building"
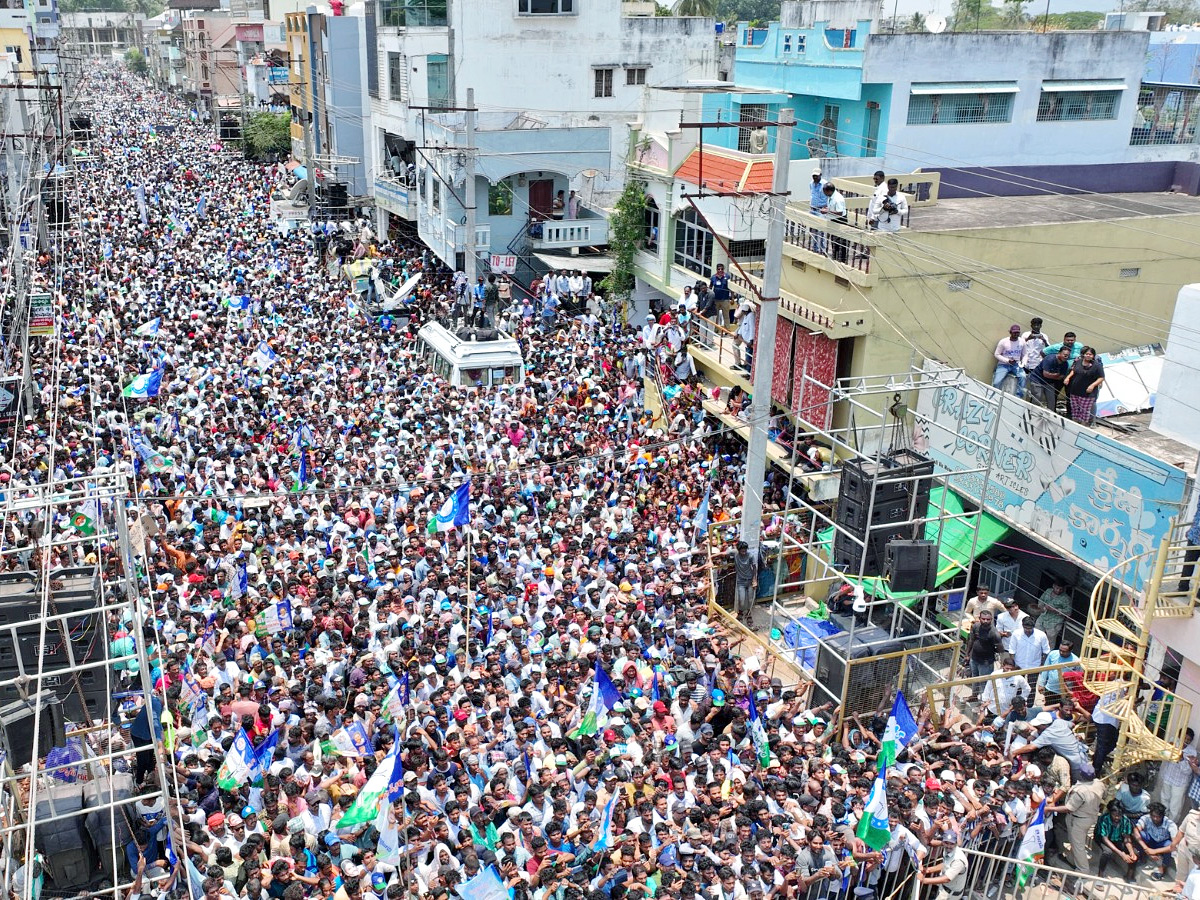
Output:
[[555, 83]]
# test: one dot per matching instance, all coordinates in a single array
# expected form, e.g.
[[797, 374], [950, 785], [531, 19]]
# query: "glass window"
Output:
[[546, 7], [650, 222], [693, 244], [959, 109], [396, 73], [604, 82], [412, 13], [437, 81], [635, 76], [1077, 106], [436, 187]]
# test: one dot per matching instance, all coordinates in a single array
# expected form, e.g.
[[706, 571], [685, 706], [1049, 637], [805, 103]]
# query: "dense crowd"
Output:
[[360, 695]]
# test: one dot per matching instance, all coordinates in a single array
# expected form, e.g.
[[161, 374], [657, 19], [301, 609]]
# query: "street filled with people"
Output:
[[409, 639]]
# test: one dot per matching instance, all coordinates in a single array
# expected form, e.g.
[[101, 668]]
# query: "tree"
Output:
[[1071, 21], [268, 132], [752, 11], [136, 61], [1178, 12], [695, 7], [915, 23], [1014, 13], [626, 230]]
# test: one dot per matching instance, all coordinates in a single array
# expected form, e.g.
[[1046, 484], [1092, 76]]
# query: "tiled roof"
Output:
[[727, 170]]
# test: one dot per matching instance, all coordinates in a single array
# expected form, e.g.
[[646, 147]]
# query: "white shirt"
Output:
[[1029, 650]]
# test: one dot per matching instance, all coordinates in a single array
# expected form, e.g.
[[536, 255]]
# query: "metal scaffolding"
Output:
[[878, 428], [74, 677]]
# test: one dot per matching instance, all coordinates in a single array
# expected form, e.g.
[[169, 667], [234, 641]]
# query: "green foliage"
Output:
[[1014, 13], [1069, 21], [752, 11], [147, 8], [268, 132], [915, 23], [1179, 12], [136, 61], [695, 7], [626, 229]]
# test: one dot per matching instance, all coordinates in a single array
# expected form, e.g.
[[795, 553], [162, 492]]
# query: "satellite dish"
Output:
[[935, 24], [758, 140]]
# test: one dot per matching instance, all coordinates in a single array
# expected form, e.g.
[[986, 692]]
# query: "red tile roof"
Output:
[[725, 170]]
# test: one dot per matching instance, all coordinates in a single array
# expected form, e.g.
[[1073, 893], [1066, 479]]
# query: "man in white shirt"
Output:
[[1008, 623], [1009, 354], [835, 211], [888, 209], [1029, 645]]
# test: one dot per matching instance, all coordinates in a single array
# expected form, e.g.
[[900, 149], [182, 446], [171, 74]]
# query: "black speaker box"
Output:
[[912, 565], [16, 721]]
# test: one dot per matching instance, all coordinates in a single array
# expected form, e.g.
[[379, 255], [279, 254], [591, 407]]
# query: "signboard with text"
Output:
[[41, 315], [504, 262], [1079, 491]]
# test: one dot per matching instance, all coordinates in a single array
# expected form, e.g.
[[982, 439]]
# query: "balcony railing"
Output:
[[552, 234], [842, 244]]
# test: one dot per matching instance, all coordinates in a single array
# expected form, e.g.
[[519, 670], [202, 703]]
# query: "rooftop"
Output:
[[1051, 209], [727, 170], [1133, 430]]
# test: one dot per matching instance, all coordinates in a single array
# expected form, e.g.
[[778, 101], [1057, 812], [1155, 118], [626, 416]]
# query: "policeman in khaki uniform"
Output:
[[1081, 807], [951, 872]]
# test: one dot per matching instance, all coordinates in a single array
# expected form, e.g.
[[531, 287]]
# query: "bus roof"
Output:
[[446, 342]]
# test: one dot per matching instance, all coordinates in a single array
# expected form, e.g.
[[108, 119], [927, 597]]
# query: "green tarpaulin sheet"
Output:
[[954, 550]]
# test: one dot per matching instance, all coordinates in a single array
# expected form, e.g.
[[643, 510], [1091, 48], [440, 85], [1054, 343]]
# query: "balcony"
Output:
[[843, 250], [834, 323], [589, 230], [396, 196]]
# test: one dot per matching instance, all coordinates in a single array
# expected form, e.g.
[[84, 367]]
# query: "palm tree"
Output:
[[915, 23], [695, 7], [1014, 13]]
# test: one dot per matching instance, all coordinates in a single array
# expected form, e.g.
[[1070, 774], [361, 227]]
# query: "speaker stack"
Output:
[[900, 482], [78, 639]]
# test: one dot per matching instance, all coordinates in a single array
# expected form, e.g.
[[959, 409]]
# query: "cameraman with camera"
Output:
[[888, 210]]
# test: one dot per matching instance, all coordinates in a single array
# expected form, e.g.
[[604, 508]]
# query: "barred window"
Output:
[[693, 244], [1077, 106], [959, 109]]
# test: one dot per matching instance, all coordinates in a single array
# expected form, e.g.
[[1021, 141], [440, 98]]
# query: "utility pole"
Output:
[[309, 16], [472, 259], [764, 341]]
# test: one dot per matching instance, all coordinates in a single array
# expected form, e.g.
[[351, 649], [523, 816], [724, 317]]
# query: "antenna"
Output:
[[935, 24]]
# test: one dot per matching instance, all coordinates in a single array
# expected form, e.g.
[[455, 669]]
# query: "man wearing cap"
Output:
[[1009, 353], [951, 872]]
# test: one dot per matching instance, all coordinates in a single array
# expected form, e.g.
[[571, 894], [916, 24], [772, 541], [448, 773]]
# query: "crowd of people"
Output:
[[1046, 371], [411, 640]]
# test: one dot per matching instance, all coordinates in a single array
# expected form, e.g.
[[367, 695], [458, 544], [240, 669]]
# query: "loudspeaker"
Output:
[[870, 681], [912, 565], [848, 555], [16, 723], [63, 840], [81, 129]]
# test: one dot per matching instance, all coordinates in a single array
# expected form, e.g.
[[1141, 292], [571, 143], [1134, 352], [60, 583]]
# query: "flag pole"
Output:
[[467, 598]]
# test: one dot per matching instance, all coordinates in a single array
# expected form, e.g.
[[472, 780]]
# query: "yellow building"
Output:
[[300, 77]]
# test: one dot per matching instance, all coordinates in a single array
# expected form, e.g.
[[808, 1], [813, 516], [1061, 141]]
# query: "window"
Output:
[[749, 112], [693, 244], [635, 76], [546, 7], [1166, 114], [397, 77], [412, 13], [787, 43], [437, 81], [650, 221], [500, 198], [959, 109], [1077, 106], [604, 82], [436, 193]]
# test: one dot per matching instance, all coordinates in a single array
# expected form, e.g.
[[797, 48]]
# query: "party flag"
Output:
[[455, 512], [901, 729], [144, 386], [604, 698], [874, 828]]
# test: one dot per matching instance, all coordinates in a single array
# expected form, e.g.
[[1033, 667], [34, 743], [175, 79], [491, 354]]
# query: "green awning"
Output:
[[954, 551]]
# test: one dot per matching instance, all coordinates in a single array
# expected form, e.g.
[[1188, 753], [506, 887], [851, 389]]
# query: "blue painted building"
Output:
[[864, 100]]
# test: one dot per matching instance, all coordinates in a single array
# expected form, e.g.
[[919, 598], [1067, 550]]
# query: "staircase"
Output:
[[1158, 584]]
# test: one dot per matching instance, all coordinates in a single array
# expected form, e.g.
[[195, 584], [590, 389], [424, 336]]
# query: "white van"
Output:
[[494, 360]]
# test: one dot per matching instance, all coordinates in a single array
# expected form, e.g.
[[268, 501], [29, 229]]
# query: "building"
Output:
[[560, 129], [103, 34], [1067, 103]]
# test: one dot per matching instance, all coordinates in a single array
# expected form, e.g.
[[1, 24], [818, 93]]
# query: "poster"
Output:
[[1074, 488], [275, 618], [41, 315], [10, 402]]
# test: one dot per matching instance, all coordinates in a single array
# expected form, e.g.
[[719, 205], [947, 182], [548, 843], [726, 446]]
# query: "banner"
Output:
[[1075, 489], [41, 315], [275, 618]]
